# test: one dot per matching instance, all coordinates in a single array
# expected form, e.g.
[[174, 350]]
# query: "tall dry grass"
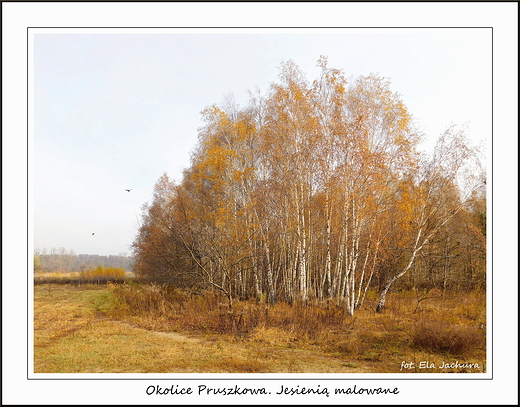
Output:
[[254, 337], [451, 325]]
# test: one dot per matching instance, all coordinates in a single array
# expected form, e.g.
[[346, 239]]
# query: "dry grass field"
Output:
[[133, 328]]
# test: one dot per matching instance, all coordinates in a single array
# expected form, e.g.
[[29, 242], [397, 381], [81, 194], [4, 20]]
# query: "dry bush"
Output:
[[153, 304], [444, 325], [307, 319], [143, 299], [440, 336], [210, 312], [103, 272]]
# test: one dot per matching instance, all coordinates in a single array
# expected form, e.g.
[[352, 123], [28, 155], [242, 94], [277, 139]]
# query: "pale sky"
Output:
[[115, 110]]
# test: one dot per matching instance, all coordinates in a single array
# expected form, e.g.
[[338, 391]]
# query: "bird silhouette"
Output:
[[93, 234], [128, 190]]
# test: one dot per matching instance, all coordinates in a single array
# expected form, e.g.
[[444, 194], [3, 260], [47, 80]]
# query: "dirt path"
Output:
[[171, 335], [294, 360]]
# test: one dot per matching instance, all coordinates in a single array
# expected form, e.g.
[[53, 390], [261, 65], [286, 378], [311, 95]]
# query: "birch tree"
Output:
[[425, 199], [314, 190]]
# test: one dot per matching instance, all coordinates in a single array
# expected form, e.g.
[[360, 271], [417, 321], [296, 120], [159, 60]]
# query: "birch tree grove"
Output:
[[316, 191]]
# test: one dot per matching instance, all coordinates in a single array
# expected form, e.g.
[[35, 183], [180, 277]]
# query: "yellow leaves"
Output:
[[104, 272], [400, 139], [213, 113], [218, 157], [222, 217], [238, 176], [340, 88], [310, 177]]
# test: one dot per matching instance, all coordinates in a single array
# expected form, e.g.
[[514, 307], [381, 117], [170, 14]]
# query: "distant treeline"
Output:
[[71, 262]]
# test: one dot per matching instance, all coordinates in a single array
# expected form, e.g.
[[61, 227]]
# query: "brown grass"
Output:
[[252, 337]]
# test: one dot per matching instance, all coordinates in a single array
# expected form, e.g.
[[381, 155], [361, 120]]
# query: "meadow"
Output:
[[145, 328]]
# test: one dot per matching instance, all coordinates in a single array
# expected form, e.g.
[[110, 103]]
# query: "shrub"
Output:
[[143, 299], [439, 336], [103, 272]]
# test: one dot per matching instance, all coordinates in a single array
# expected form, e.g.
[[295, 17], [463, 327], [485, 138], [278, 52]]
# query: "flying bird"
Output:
[[93, 234], [128, 190]]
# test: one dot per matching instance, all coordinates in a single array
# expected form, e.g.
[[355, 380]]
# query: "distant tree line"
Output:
[[317, 190], [59, 259]]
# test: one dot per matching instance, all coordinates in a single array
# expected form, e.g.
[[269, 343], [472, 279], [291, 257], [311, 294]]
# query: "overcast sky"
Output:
[[113, 111]]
